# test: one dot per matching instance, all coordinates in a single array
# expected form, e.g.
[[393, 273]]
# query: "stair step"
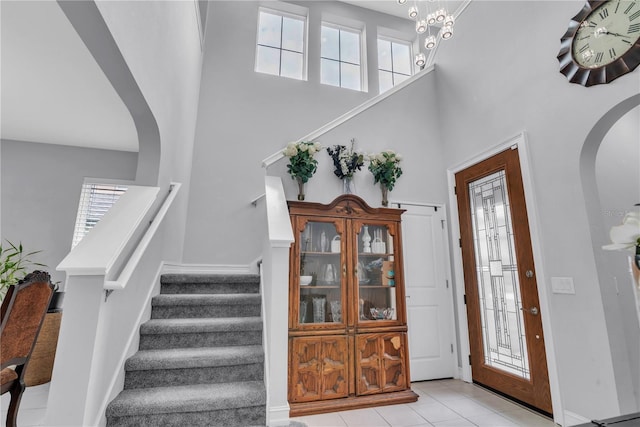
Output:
[[209, 283], [200, 332], [164, 368], [205, 305], [241, 403]]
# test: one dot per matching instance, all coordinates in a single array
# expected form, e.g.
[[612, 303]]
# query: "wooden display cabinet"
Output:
[[347, 318]]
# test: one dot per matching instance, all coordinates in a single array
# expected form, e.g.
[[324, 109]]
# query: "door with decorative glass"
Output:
[[505, 326]]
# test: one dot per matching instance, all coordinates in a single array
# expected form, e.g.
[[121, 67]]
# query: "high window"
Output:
[[394, 63], [95, 200], [341, 57], [281, 44]]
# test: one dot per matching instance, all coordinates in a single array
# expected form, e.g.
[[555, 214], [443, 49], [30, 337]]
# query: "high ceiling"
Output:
[[53, 90]]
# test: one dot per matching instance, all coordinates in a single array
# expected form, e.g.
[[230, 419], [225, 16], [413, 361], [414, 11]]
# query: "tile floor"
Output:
[[449, 403]]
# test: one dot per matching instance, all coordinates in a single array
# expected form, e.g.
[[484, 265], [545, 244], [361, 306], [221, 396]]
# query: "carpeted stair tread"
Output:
[[201, 325], [190, 398], [182, 358], [210, 278], [205, 299]]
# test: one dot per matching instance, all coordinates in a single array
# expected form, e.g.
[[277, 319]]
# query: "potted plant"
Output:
[[385, 167], [14, 265], [302, 165]]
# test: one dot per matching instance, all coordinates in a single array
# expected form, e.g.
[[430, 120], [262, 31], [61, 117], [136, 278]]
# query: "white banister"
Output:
[[275, 277], [100, 249], [350, 114], [96, 334], [141, 248]]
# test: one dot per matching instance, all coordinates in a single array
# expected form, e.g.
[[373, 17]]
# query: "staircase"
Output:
[[201, 361]]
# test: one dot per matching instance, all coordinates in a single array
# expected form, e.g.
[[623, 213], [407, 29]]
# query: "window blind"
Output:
[[95, 200]]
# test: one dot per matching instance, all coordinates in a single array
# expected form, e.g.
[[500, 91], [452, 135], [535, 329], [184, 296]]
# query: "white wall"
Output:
[[493, 85], [41, 186], [618, 182], [160, 42], [246, 116]]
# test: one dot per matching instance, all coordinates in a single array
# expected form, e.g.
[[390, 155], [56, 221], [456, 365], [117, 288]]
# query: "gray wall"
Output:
[[493, 85], [41, 186], [246, 116]]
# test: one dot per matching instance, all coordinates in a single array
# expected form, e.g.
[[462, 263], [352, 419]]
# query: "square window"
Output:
[[281, 44], [341, 54], [394, 63]]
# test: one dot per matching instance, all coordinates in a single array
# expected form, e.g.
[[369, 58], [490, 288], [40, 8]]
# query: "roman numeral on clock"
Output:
[[634, 28], [599, 56], [583, 48], [612, 53], [634, 15], [604, 13], [628, 9]]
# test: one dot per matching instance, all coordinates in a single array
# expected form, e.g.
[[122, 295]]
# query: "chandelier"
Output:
[[433, 20]]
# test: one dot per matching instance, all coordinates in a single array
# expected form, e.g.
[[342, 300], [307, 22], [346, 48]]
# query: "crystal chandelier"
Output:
[[433, 20]]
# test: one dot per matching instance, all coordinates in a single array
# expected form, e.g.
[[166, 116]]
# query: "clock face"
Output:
[[602, 42], [607, 33]]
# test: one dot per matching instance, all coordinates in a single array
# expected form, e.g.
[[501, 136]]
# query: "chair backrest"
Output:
[[23, 310]]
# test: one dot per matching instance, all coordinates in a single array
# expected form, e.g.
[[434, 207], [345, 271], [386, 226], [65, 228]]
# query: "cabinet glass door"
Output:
[[321, 278], [375, 272]]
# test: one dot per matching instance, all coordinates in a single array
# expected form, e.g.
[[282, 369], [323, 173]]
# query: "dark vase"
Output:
[[55, 305]]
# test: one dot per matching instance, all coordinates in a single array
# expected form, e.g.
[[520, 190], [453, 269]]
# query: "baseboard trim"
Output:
[[278, 416], [175, 268], [572, 419]]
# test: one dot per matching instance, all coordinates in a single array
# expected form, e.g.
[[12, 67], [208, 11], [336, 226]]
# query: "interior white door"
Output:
[[428, 292]]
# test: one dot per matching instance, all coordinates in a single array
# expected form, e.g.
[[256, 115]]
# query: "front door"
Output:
[[505, 327]]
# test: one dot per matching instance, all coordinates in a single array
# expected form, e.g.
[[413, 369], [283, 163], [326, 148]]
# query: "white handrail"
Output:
[[350, 114], [135, 258], [100, 249]]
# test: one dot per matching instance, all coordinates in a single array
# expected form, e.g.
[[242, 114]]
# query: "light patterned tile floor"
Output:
[[442, 403]]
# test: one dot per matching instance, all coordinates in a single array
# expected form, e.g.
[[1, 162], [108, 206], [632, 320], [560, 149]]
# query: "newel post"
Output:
[[276, 299], [70, 390]]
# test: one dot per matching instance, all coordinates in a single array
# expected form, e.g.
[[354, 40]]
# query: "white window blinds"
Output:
[[95, 201]]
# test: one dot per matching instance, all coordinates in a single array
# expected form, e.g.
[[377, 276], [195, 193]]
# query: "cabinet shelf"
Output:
[[319, 253]]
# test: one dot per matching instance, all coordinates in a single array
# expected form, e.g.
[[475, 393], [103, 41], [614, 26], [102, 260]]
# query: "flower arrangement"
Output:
[[627, 235], [346, 161], [385, 167], [302, 165]]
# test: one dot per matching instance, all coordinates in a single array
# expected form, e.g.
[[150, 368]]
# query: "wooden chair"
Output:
[[23, 310]]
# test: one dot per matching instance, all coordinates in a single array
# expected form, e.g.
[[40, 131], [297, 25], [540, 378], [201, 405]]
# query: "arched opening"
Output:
[[609, 171]]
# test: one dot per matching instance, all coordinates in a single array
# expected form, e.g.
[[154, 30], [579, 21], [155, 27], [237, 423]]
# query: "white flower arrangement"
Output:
[[302, 165], [626, 235]]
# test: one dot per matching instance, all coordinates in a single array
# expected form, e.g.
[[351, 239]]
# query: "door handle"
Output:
[[532, 310]]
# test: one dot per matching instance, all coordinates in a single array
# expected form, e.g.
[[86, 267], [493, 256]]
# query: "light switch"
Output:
[[562, 285]]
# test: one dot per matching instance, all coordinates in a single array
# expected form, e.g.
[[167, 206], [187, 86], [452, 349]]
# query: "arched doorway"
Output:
[[599, 150]]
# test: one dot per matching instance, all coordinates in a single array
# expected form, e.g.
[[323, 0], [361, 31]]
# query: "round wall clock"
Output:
[[602, 42]]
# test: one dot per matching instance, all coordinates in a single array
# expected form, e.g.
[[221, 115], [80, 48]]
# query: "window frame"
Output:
[[363, 59], [396, 40], [298, 15]]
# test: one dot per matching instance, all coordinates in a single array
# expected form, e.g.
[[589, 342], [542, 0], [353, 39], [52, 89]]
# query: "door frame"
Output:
[[519, 141]]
